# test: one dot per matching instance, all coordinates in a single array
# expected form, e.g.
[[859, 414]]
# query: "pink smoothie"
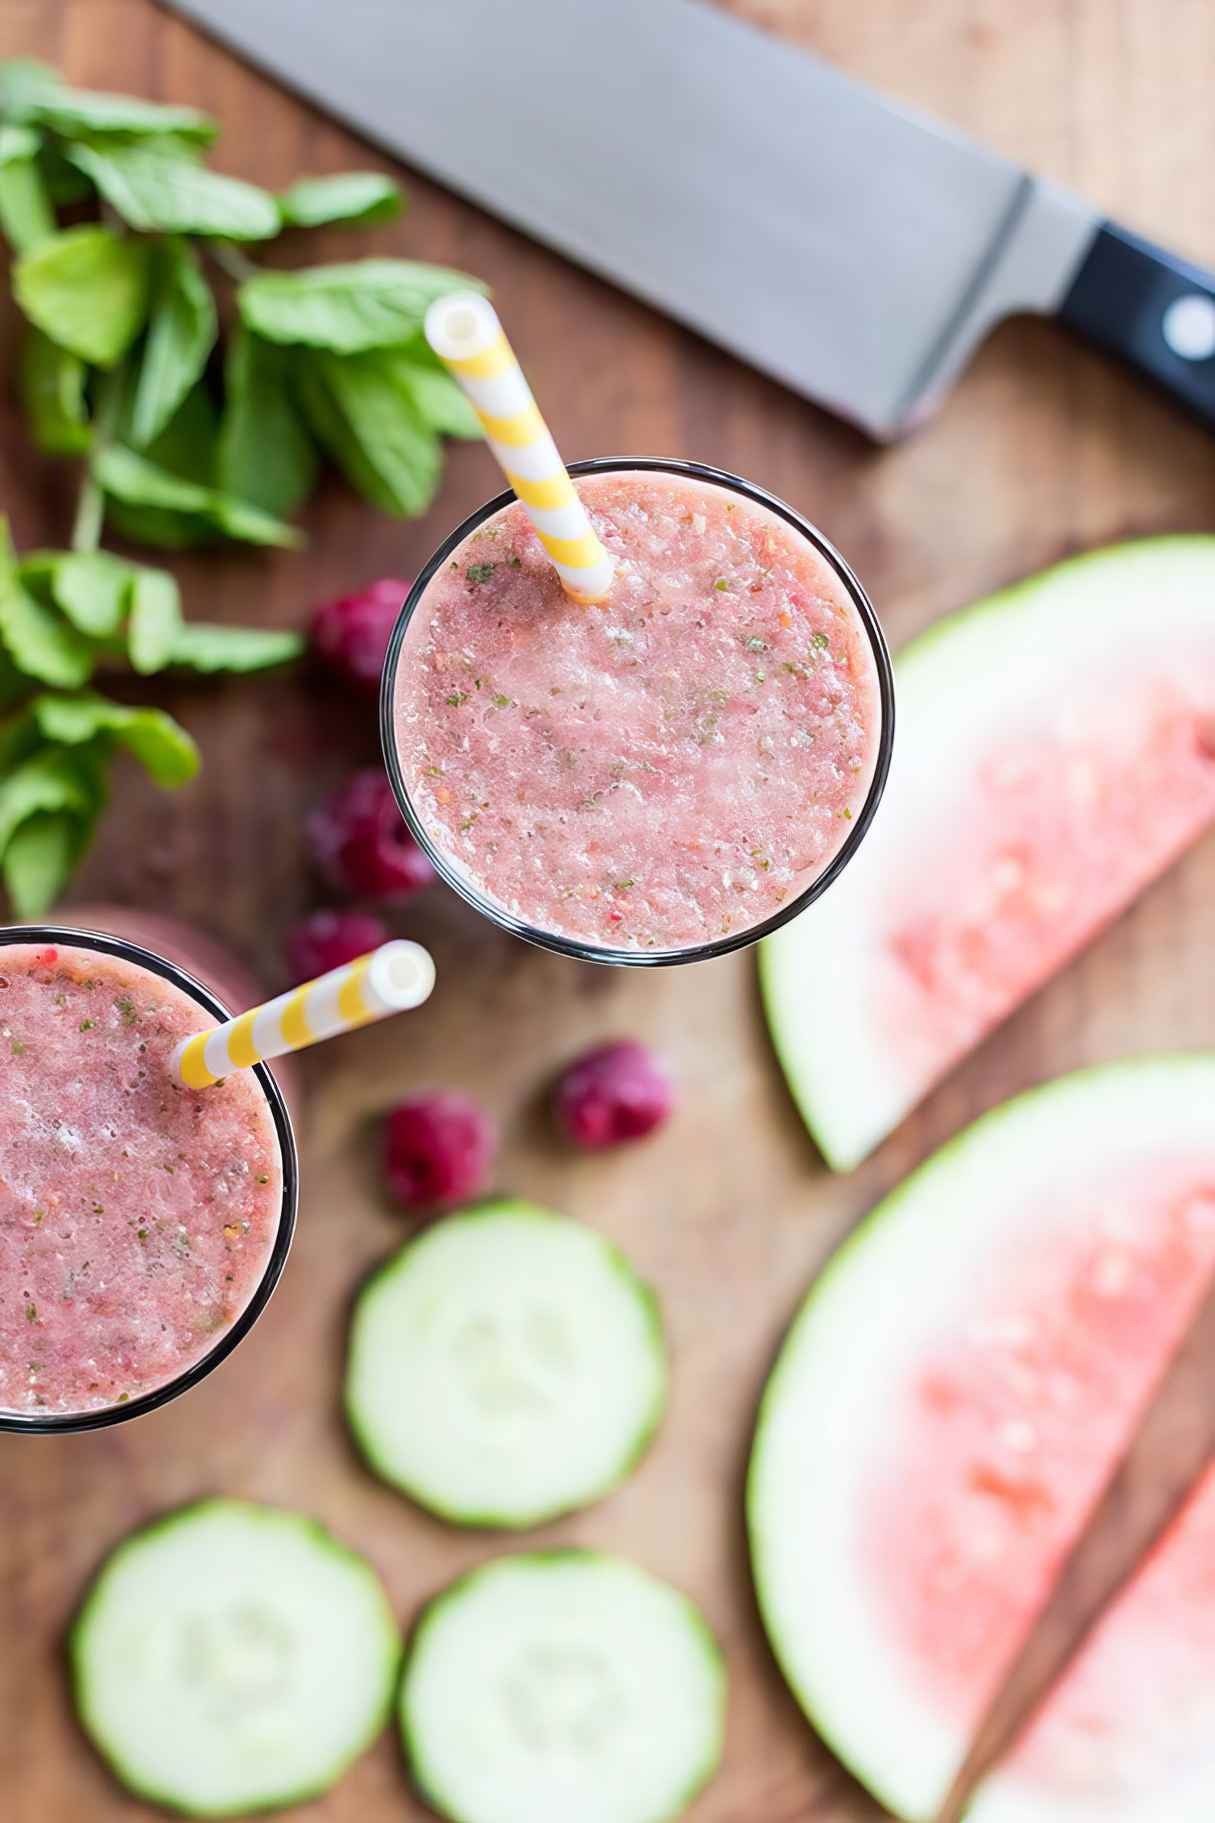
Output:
[[136, 1217], [661, 771]]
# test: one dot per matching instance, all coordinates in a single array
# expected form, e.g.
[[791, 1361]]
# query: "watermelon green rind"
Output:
[[968, 673], [426, 1776], [823, 1403], [87, 1679], [362, 1370]]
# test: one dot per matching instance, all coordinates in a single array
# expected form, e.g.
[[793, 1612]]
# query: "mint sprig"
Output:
[[180, 443], [135, 286]]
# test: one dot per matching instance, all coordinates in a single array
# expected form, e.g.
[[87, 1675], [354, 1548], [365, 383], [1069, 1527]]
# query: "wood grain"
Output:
[[1042, 448]]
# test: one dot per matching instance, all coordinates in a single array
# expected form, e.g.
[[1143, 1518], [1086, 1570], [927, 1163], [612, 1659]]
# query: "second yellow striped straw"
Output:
[[391, 979], [464, 331]]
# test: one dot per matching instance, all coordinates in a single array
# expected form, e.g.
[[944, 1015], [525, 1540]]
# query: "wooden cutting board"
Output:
[[1042, 448]]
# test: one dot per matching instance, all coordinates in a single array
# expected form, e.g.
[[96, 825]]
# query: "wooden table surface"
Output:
[[1042, 448]]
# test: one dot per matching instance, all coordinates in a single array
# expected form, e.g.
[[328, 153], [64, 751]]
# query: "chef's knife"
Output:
[[853, 249]]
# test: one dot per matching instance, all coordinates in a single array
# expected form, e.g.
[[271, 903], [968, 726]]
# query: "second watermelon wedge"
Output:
[[952, 1398]]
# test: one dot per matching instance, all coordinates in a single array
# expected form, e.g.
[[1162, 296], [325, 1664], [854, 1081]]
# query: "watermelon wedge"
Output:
[[1128, 1735], [953, 1396], [1056, 751]]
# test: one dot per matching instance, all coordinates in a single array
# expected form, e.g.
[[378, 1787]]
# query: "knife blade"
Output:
[[852, 249]]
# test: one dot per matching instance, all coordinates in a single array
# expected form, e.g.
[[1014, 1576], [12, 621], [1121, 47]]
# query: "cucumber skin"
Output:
[[78, 1627], [558, 1555], [844, 1258], [497, 1522]]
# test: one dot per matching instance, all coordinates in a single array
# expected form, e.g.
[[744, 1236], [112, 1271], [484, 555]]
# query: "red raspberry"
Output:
[[352, 633], [613, 1093], [327, 939], [438, 1149], [361, 845]]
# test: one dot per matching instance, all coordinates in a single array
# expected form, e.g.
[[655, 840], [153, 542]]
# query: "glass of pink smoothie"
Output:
[[663, 777], [143, 1226]]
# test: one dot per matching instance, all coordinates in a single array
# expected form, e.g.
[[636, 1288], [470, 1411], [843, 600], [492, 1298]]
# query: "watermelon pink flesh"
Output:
[[1128, 1736], [952, 1398], [1055, 752], [1005, 1434], [1065, 829]]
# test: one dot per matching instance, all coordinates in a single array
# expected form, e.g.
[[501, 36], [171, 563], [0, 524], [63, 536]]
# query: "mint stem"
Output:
[[90, 503], [231, 260], [90, 512]]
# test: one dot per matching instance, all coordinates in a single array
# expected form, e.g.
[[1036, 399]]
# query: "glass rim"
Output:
[[44, 1423], [582, 949]]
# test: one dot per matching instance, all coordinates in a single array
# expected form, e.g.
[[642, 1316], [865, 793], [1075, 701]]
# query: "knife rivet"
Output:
[[1188, 326]]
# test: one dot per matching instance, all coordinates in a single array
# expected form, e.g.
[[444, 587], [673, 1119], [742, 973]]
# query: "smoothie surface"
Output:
[[136, 1216], [665, 769]]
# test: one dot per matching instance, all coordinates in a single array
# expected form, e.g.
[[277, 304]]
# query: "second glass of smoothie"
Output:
[[662, 777], [143, 1225]]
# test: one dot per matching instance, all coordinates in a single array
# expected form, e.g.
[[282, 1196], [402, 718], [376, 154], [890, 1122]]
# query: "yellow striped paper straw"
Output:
[[464, 331], [390, 979]]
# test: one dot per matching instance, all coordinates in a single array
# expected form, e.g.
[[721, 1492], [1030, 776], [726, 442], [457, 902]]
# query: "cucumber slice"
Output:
[[562, 1687], [505, 1367], [232, 1658]]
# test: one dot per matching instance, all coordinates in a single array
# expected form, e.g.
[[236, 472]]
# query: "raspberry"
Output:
[[613, 1093], [438, 1149], [352, 633], [361, 845], [327, 939]]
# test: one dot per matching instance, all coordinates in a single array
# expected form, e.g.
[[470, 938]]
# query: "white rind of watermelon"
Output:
[[839, 1433], [1056, 752]]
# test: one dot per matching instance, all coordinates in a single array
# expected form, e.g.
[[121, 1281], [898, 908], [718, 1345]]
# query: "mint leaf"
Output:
[[23, 80], [86, 288], [354, 196], [159, 192], [237, 519], [187, 444], [65, 185], [12, 688], [373, 431], [157, 527], [265, 453], [427, 383], [91, 588], [202, 646], [162, 747], [155, 620], [18, 736], [38, 861], [186, 448], [363, 304], [130, 476], [38, 640], [26, 215], [134, 480], [52, 391], [49, 780], [18, 144], [181, 335], [76, 113], [36, 572]]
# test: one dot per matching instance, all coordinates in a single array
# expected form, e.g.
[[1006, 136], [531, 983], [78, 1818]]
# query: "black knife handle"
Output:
[[1151, 309]]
